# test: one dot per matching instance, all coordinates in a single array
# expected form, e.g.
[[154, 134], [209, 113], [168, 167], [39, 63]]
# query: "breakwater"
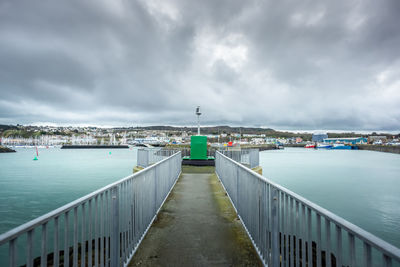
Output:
[[261, 147], [91, 146], [6, 149], [387, 149]]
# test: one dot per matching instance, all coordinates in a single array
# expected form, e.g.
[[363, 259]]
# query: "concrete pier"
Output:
[[197, 226]]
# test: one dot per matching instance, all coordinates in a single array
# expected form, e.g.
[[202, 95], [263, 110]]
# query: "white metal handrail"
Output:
[[108, 224], [286, 228]]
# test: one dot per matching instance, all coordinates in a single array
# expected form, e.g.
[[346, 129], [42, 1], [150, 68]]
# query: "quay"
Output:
[[167, 214]]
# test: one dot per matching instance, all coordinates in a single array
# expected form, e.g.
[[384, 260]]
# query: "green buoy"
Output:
[[35, 158], [109, 153]]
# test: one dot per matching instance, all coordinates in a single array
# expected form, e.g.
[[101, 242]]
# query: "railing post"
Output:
[[275, 227], [115, 229]]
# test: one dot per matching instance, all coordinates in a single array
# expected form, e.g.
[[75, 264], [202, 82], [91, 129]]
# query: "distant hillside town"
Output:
[[21, 135]]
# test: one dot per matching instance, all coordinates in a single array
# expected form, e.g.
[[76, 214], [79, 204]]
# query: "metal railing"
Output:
[[249, 157], [288, 230], [149, 156], [103, 228]]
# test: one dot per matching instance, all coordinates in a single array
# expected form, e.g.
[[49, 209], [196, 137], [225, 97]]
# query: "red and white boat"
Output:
[[310, 146]]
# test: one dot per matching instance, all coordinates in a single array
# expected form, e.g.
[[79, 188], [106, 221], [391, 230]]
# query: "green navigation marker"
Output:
[[198, 147]]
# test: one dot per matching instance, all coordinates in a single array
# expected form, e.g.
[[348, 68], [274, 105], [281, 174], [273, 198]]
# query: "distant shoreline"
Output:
[[377, 148], [93, 146]]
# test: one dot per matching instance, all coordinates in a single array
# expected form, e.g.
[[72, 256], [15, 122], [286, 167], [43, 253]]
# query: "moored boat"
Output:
[[341, 146], [324, 145]]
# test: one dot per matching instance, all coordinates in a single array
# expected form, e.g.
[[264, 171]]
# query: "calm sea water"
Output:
[[361, 186], [31, 188]]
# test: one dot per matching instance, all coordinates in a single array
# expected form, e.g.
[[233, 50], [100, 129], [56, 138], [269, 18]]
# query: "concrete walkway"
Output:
[[197, 226]]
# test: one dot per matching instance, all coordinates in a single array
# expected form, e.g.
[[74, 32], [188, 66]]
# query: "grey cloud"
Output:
[[287, 64]]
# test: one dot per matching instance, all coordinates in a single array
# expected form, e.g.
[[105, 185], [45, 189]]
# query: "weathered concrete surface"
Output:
[[197, 226]]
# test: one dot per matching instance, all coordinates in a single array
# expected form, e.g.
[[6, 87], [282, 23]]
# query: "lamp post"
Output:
[[198, 113]]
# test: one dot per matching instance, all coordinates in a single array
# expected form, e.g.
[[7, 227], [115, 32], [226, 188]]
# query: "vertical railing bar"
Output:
[[281, 226], [75, 255], [12, 252], [292, 233], [107, 232], [132, 207], [115, 251], [96, 232], [268, 198], [319, 242], [56, 260], [126, 219], [328, 242], [128, 215], [309, 237], [262, 223], [126, 222], [303, 234], [102, 218], [29, 251], [90, 238], [275, 227], [121, 215], [297, 234], [387, 261], [43, 257], [135, 212], [66, 245], [287, 238], [352, 249], [83, 241], [367, 255], [338, 246]]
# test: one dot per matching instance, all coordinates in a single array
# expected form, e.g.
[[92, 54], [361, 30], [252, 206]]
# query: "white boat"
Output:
[[324, 145]]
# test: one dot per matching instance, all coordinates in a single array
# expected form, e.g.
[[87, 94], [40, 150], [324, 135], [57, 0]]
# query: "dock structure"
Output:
[[172, 215], [197, 226]]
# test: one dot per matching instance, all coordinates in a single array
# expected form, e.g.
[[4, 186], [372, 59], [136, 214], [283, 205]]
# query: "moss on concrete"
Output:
[[198, 169], [248, 254], [258, 170], [137, 168]]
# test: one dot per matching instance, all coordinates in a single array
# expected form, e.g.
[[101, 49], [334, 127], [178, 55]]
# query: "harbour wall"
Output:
[[387, 149]]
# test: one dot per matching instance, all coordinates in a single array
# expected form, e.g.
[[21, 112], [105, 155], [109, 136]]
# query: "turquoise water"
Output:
[[361, 186], [31, 188]]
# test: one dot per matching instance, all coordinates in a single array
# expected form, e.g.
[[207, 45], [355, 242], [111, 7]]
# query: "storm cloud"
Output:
[[284, 64]]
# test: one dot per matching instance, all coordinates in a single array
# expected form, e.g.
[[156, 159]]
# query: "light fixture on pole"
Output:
[[198, 113]]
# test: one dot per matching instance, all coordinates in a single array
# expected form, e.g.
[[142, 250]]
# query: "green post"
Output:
[[198, 147]]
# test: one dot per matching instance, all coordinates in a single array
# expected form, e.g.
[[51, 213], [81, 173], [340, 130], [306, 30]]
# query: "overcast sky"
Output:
[[280, 64]]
